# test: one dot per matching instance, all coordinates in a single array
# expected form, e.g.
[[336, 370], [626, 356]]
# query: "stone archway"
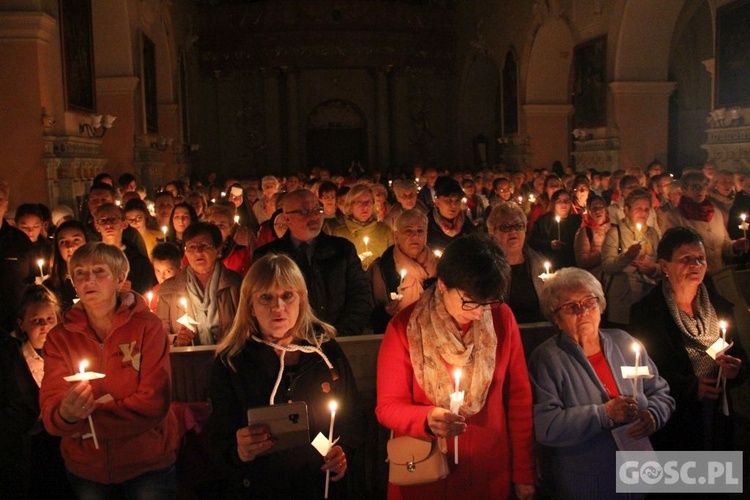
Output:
[[336, 136]]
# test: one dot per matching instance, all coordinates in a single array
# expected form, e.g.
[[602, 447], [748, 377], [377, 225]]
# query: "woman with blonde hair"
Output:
[[276, 352]]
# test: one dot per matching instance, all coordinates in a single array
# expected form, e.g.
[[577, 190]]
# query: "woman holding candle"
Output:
[[554, 233], [30, 462], [580, 395], [507, 225], [117, 336], [278, 351], [369, 236], [629, 258], [205, 291], [460, 322], [68, 237], [678, 321]]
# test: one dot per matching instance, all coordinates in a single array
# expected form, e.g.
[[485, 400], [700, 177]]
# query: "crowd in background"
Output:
[[362, 250]]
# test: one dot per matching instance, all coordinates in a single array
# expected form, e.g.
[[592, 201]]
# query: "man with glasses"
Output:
[[448, 220], [109, 221], [338, 287]]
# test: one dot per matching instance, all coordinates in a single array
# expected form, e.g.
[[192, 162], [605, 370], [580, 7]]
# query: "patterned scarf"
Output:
[[434, 340], [699, 332], [449, 227], [703, 211]]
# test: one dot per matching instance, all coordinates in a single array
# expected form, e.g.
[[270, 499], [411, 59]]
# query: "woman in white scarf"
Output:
[[461, 323]]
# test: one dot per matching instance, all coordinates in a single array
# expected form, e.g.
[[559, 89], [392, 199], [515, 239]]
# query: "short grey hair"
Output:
[[401, 185], [568, 279], [412, 215], [355, 192], [505, 208]]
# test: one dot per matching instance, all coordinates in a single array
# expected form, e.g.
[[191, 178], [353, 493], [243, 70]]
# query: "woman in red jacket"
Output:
[[116, 334], [461, 323]]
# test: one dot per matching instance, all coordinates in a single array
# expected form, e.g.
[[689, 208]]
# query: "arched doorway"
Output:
[[336, 136]]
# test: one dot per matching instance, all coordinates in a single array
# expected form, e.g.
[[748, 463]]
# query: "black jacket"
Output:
[[652, 324], [338, 288], [545, 230], [293, 473], [437, 239], [15, 268]]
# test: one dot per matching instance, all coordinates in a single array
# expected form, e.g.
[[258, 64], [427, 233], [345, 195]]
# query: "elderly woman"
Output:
[[554, 232], [265, 206], [580, 396], [198, 304], [276, 337], [629, 258], [678, 320], [590, 236], [507, 225], [408, 255], [361, 223], [30, 462], [696, 211], [116, 334], [461, 323], [406, 198], [68, 237]]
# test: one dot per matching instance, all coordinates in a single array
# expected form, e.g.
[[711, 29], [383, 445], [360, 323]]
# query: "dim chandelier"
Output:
[[248, 249]]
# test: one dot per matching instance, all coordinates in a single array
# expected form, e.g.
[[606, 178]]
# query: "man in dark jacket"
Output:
[[448, 219], [338, 288]]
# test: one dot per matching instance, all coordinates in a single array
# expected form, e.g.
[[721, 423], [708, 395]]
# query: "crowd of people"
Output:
[[446, 265]]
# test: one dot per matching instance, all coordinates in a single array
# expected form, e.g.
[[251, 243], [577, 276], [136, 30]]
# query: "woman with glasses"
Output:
[[554, 233], [696, 211], [197, 306], [677, 321], [507, 225], [275, 352], [580, 397], [360, 226], [461, 323], [590, 236]]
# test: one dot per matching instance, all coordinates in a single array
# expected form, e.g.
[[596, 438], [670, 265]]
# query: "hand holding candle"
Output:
[[744, 225], [723, 325], [637, 349], [558, 219], [332, 406], [149, 298], [83, 375]]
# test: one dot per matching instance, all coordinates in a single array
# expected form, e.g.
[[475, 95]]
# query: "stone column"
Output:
[[547, 128], [272, 113], [382, 119], [641, 112]]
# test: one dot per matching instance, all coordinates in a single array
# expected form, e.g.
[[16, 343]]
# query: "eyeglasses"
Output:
[[576, 308], [306, 212], [509, 228], [135, 220], [198, 248], [108, 221], [470, 305]]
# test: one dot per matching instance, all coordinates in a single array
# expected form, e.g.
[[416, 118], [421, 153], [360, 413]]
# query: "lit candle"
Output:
[[149, 297], [723, 326], [151, 209], [223, 194], [520, 200], [438, 253], [547, 265], [457, 399], [366, 240], [183, 301], [744, 225], [403, 275], [117, 202], [213, 200], [236, 219], [557, 218], [637, 349], [638, 226], [164, 230], [332, 406], [40, 263], [531, 198], [82, 368], [390, 183]]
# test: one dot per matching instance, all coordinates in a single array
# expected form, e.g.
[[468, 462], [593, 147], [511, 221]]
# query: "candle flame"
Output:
[[743, 217], [236, 219], [40, 262], [403, 273], [164, 230], [117, 202], [82, 366], [636, 347], [366, 240], [723, 325], [183, 301], [639, 226], [438, 253], [333, 406], [531, 198], [557, 218], [223, 194], [463, 200], [547, 265], [149, 296]]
